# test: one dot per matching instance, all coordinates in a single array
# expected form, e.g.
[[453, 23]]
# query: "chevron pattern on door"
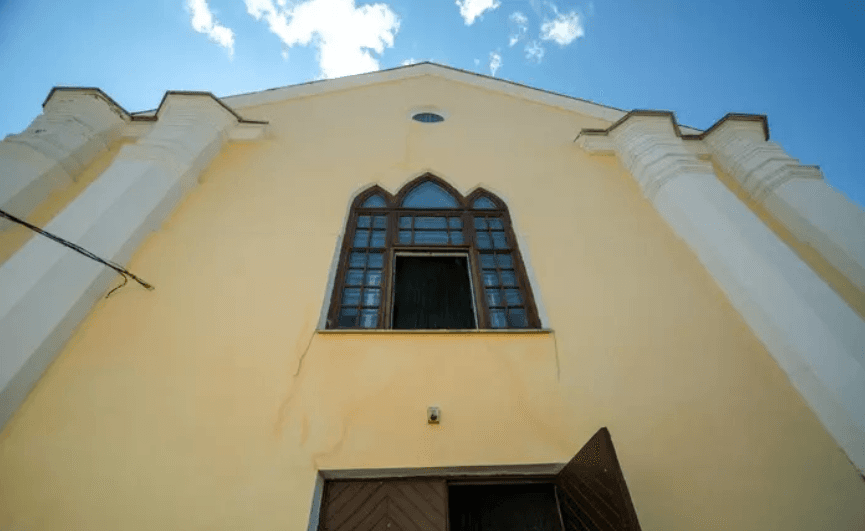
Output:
[[593, 493], [390, 505]]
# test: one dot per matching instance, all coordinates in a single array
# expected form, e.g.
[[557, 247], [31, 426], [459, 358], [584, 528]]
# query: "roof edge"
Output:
[[512, 88], [138, 117], [762, 118]]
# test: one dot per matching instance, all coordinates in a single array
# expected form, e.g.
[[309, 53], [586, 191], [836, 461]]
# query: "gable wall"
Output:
[[211, 402]]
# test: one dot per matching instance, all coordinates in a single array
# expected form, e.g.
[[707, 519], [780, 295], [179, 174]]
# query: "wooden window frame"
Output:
[[392, 210]]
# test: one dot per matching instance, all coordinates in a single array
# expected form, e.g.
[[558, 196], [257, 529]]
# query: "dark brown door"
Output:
[[389, 505], [592, 492]]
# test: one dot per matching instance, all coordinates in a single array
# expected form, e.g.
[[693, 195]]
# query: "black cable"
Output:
[[125, 281], [77, 248]]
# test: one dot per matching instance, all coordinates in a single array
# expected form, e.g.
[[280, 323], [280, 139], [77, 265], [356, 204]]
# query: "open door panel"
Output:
[[592, 492]]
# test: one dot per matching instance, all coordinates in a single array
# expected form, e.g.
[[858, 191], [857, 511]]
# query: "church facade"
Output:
[[423, 298]]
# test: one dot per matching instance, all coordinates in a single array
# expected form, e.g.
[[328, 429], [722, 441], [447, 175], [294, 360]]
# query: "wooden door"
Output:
[[592, 492], [385, 505]]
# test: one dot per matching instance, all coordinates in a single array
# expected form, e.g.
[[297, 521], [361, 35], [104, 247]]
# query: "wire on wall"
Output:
[[120, 269]]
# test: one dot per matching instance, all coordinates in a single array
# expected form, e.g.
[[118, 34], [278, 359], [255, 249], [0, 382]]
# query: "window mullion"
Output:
[[387, 272], [520, 274], [482, 310], [342, 271]]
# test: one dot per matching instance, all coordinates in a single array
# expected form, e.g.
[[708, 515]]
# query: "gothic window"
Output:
[[429, 258]]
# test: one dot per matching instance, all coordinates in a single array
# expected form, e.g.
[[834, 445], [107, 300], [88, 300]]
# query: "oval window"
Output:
[[428, 117]]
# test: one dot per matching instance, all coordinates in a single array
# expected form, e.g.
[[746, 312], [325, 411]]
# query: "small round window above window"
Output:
[[428, 117]]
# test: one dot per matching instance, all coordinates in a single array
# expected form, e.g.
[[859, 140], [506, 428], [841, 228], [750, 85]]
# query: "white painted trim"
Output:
[[315, 506], [49, 289], [809, 330], [73, 129], [795, 195]]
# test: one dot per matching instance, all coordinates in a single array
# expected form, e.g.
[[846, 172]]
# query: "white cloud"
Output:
[[519, 24], [346, 35], [409, 61], [563, 29], [495, 63], [203, 22], [534, 51], [472, 9], [477, 62]]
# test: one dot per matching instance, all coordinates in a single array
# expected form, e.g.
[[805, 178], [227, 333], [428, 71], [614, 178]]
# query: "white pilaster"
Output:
[[811, 332], [48, 289], [796, 195], [74, 127]]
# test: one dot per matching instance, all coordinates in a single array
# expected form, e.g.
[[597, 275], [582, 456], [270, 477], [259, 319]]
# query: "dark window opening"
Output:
[[428, 117], [519, 507], [432, 292]]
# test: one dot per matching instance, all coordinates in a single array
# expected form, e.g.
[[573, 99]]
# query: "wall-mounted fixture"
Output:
[[433, 414]]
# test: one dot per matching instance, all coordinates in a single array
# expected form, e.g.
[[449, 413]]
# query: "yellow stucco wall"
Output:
[[211, 402]]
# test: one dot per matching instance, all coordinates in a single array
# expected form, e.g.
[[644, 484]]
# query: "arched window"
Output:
[[429, 258]]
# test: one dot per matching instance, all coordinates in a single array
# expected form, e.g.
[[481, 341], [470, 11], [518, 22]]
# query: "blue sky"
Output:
[[801, 63]]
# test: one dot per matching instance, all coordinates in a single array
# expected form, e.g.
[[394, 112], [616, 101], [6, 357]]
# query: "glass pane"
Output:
[[455, 223], [427, 222], [508, 278], [354, 277], [404, 236], [494, 297], [357, 260], [483, 202], [481, 223], [368, 318], [347, 317], [435, 237], [513, 297], [496, 223], [427, 118], [517, 318], [371, 296], [505, 261], [377, 238], [363, 221], [361, 238], [429, 195], [488, 261], [351, 296], [484, 240], [375, 201], [376, 260], [497, 319], [373, 277], [490, 278], [405, 222], [457, 238], [499, 240], [380, 222]]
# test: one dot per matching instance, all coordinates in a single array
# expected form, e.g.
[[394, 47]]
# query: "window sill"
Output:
[[473, 331]]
